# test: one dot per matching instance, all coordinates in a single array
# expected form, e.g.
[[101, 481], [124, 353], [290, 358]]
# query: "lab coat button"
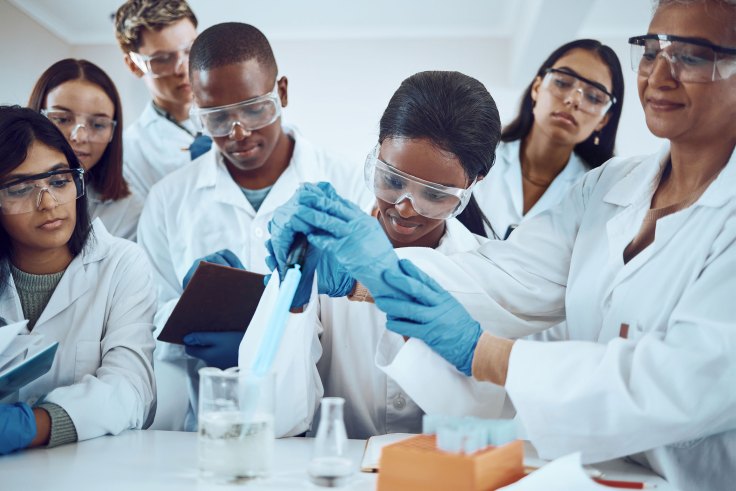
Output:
[[399, 402], [259, 232]]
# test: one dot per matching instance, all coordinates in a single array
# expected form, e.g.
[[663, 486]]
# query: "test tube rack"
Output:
[[417, 464]]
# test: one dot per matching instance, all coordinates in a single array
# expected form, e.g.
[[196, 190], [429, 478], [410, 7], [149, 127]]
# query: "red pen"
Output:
[[624, 484]]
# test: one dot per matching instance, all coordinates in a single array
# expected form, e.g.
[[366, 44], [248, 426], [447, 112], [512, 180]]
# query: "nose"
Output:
[[663, 72], [405, 208], [77, 135], [238, 132], [574, 97], [46, 200], [182, 64]]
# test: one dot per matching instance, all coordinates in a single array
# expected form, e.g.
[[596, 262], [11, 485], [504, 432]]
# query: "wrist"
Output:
[[43, 427], [491, 359]]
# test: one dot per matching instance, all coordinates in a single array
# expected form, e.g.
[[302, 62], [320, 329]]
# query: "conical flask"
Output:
[[331, 465]]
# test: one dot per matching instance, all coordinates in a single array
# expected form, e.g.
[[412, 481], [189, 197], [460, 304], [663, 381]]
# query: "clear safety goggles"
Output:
[[429, 199], [593, 98], [164, 63], [250, 115], [97, 129], [24, 195], [690, 60]]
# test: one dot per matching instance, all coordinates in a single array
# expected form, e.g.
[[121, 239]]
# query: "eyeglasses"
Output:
[[98, 128], [162, 64], [594, 98], [250, 115], [429, 199], [24, 195], [691, 60]]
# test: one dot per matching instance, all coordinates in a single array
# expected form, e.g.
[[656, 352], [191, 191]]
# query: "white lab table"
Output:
[[167, 460]]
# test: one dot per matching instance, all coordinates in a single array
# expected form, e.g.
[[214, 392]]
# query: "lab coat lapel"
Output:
[[227, 190], [79, 276], [633, 194], [573, 170]]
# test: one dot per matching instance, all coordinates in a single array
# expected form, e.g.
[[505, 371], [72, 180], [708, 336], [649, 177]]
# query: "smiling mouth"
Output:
[[401, 226]]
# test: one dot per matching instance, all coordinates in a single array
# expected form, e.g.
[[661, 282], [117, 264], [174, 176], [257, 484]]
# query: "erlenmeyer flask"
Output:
[[331, 465]]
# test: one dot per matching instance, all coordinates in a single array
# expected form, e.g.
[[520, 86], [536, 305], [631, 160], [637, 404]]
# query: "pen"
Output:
[[624, 484]]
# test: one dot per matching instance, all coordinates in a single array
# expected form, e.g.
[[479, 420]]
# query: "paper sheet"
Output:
[[372, 453], [563, 474]]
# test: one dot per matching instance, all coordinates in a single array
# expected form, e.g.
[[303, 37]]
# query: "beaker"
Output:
[[331, 466], [236, 435]]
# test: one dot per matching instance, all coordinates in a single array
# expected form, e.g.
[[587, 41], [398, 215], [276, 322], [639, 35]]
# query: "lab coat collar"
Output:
[[213, 173], [631, 188], [458, 238], [150, 116], [78, 278]]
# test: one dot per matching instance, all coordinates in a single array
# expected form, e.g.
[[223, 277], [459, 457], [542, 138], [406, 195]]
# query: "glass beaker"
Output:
[[331, 466], [236, 435]]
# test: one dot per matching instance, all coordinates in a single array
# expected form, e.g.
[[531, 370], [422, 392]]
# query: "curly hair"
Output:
[[135, 16]]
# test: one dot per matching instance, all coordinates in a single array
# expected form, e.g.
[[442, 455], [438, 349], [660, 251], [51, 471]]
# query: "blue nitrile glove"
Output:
[[200, 146], [333, 280], [348, 236], [17, 427], [225, 257], [419, 307], [216, 349]]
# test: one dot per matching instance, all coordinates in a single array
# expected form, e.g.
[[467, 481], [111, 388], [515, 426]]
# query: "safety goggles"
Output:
[[690, 60], [429, 199], [593, 98], [162, 64], [250, 115], [24, 195], [97, 129]]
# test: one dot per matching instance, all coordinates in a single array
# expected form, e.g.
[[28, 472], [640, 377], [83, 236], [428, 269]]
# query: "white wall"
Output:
[[27, 50], [337, 88]]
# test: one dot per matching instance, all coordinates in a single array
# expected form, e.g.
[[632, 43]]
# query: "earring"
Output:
[[596, 139]]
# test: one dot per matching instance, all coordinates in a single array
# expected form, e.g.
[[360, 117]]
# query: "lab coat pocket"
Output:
[[87, 360]]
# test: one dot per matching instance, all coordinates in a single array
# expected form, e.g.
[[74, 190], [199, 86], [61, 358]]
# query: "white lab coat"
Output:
[[101, 314], [153, 147], [500, 194], [119, 216], [666, 392], [352, 340], [200, 209]]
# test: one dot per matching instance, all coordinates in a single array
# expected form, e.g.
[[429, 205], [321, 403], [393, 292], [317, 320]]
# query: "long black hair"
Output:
[[593, 155], [458, 115], [19, 129]]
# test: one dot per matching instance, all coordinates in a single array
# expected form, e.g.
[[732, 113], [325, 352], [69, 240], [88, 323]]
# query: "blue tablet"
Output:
[[29, 370]]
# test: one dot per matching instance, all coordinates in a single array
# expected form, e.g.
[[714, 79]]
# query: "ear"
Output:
[[283, 85], [603, 122], [479, 178], [132, 66], [535, 88]]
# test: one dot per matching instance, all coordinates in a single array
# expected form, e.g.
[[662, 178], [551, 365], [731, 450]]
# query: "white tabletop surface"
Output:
[[162, 460]]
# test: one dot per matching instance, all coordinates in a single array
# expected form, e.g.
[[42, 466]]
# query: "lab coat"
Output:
[[101, 313], [352, 340], [500, 195], [664, 391], [200, 209], [153, 147], [119, 216]]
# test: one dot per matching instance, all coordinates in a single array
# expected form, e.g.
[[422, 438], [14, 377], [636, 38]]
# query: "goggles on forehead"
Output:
[[250, 115], [162, 64], [429, 199], [24, 195], [690, 60], [594, 99]]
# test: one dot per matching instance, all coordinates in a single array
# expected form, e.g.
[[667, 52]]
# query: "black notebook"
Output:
[[217, 298]]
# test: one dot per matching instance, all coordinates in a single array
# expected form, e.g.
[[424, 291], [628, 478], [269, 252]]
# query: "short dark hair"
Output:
[[593, 155], [229, 43], [107, 175], [19, 128], [458, 115]]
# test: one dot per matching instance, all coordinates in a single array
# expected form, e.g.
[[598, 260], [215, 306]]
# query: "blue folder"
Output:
[[28, 371]]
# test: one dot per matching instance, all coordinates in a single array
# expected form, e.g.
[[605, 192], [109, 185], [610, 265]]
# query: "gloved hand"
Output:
[[216, 349], [17, 427], [349, 237], [332, 279], [419, 307], [225, 257]]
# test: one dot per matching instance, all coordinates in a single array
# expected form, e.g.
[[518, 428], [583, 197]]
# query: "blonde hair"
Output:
[[135, 16]]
